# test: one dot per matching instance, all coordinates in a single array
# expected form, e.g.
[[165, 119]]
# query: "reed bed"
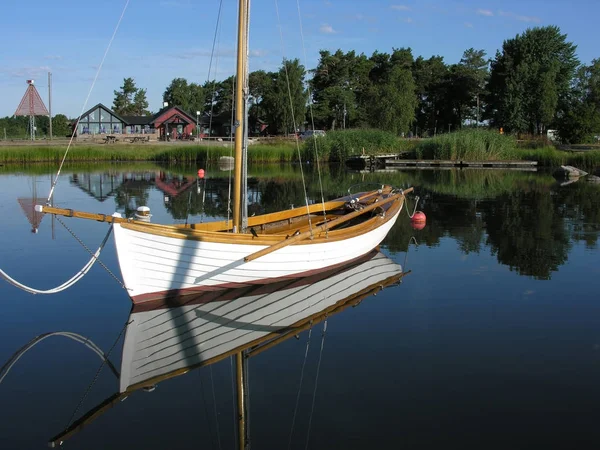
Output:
[[280, 152], [336, 146], [468, 145]]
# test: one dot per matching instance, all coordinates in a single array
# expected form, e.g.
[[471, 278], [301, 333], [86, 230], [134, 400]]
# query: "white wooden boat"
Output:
[[156, 260], [164, 342]]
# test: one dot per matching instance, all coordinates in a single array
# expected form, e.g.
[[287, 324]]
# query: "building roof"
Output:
[[100, 105], [138, 120], [179, 110]]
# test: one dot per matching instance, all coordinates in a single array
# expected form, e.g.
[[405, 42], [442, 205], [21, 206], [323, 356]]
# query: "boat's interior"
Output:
[[301, 219]]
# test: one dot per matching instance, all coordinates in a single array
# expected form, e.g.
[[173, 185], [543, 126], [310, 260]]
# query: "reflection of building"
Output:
[[98, 185], [174, 122], [172, 186]]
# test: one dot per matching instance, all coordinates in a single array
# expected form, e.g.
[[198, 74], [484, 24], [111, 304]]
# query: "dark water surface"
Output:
[[492, 341]]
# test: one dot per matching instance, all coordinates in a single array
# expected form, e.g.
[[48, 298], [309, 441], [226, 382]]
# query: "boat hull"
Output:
[[155, 265]]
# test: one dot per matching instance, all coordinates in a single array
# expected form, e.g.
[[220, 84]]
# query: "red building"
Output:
[[173, 123]]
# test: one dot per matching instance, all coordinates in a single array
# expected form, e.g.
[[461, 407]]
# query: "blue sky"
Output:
[[159, 40]]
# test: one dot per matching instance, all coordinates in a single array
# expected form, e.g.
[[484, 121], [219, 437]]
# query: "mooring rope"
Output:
[[78, 276], [415, 208], [91, 385], [76, 126], [5, 369]]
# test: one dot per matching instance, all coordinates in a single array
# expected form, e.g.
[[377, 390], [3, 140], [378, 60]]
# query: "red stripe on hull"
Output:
[[231, 291]]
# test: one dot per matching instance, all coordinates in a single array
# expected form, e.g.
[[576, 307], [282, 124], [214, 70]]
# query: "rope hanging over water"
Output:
[[78, 276]]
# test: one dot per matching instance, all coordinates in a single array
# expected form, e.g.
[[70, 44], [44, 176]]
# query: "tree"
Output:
[[530, 80], [130, 100], [260, 83], [581, 120], [61, 126], [189, 97], [429, 75], [285, 103], [392, 92], [339, 87]]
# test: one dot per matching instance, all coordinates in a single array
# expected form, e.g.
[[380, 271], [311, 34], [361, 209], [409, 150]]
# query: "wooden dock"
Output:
[[450, 163], [393, 161]]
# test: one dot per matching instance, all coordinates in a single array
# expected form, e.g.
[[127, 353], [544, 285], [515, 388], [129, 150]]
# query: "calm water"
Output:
[[491, 341]]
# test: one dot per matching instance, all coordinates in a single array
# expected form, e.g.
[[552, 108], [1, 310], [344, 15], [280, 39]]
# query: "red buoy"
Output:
[[418, 220], [200, 173]]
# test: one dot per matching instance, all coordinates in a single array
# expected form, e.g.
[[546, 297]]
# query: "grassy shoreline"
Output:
[[155, 153], [466, 145]]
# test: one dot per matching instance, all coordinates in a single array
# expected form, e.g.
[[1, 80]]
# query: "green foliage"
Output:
[[130, 100], [288, 82], [17, 127], [468, 145], [336, 146], [581, 121], [189, 97], [339, 87], [530, 80], [61, 126]]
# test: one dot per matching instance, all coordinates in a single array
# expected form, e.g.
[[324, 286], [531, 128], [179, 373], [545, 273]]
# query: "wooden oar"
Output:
[[331, 224]]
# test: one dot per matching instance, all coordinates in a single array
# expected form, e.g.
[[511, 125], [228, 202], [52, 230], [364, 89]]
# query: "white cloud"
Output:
[[485, 12], [401, 7], [408, 20], [327, 29], [520, 18], [53, 57], [29, 72], [468, 25], [528, 19], [258, 53]]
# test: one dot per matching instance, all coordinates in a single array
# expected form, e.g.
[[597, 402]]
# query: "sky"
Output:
[[159, 40]]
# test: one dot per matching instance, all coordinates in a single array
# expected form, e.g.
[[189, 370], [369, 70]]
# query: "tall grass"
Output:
[[280, 152], [468, 145], [337, 146]]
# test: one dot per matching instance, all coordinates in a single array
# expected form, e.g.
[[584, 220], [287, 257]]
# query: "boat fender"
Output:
[[143, 214]]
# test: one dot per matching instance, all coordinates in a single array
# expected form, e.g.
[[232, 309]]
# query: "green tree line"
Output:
[[534, 83]]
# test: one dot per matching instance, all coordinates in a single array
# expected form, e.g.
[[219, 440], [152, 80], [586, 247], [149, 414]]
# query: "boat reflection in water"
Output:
[[171, 337]]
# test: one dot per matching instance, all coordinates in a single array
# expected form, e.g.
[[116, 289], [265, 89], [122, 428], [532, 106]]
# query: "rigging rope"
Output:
[[91, 385], [312, 408], [5, 369], [90, 252], [212, 384], [212, 442], [312, 117], [78, 276], [75, 128], [300, 386], [293, 116]]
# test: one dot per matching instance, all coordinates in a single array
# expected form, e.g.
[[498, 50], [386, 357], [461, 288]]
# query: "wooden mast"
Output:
[[239, 116]]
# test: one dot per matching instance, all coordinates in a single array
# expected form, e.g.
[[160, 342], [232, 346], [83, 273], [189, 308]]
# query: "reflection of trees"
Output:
[[131, 194], [527, 233], [578, 204]]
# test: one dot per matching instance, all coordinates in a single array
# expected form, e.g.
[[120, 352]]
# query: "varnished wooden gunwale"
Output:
[[264, 239], [257, 221]]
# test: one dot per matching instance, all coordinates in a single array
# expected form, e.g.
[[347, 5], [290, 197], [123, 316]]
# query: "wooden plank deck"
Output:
[[458, 163]]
